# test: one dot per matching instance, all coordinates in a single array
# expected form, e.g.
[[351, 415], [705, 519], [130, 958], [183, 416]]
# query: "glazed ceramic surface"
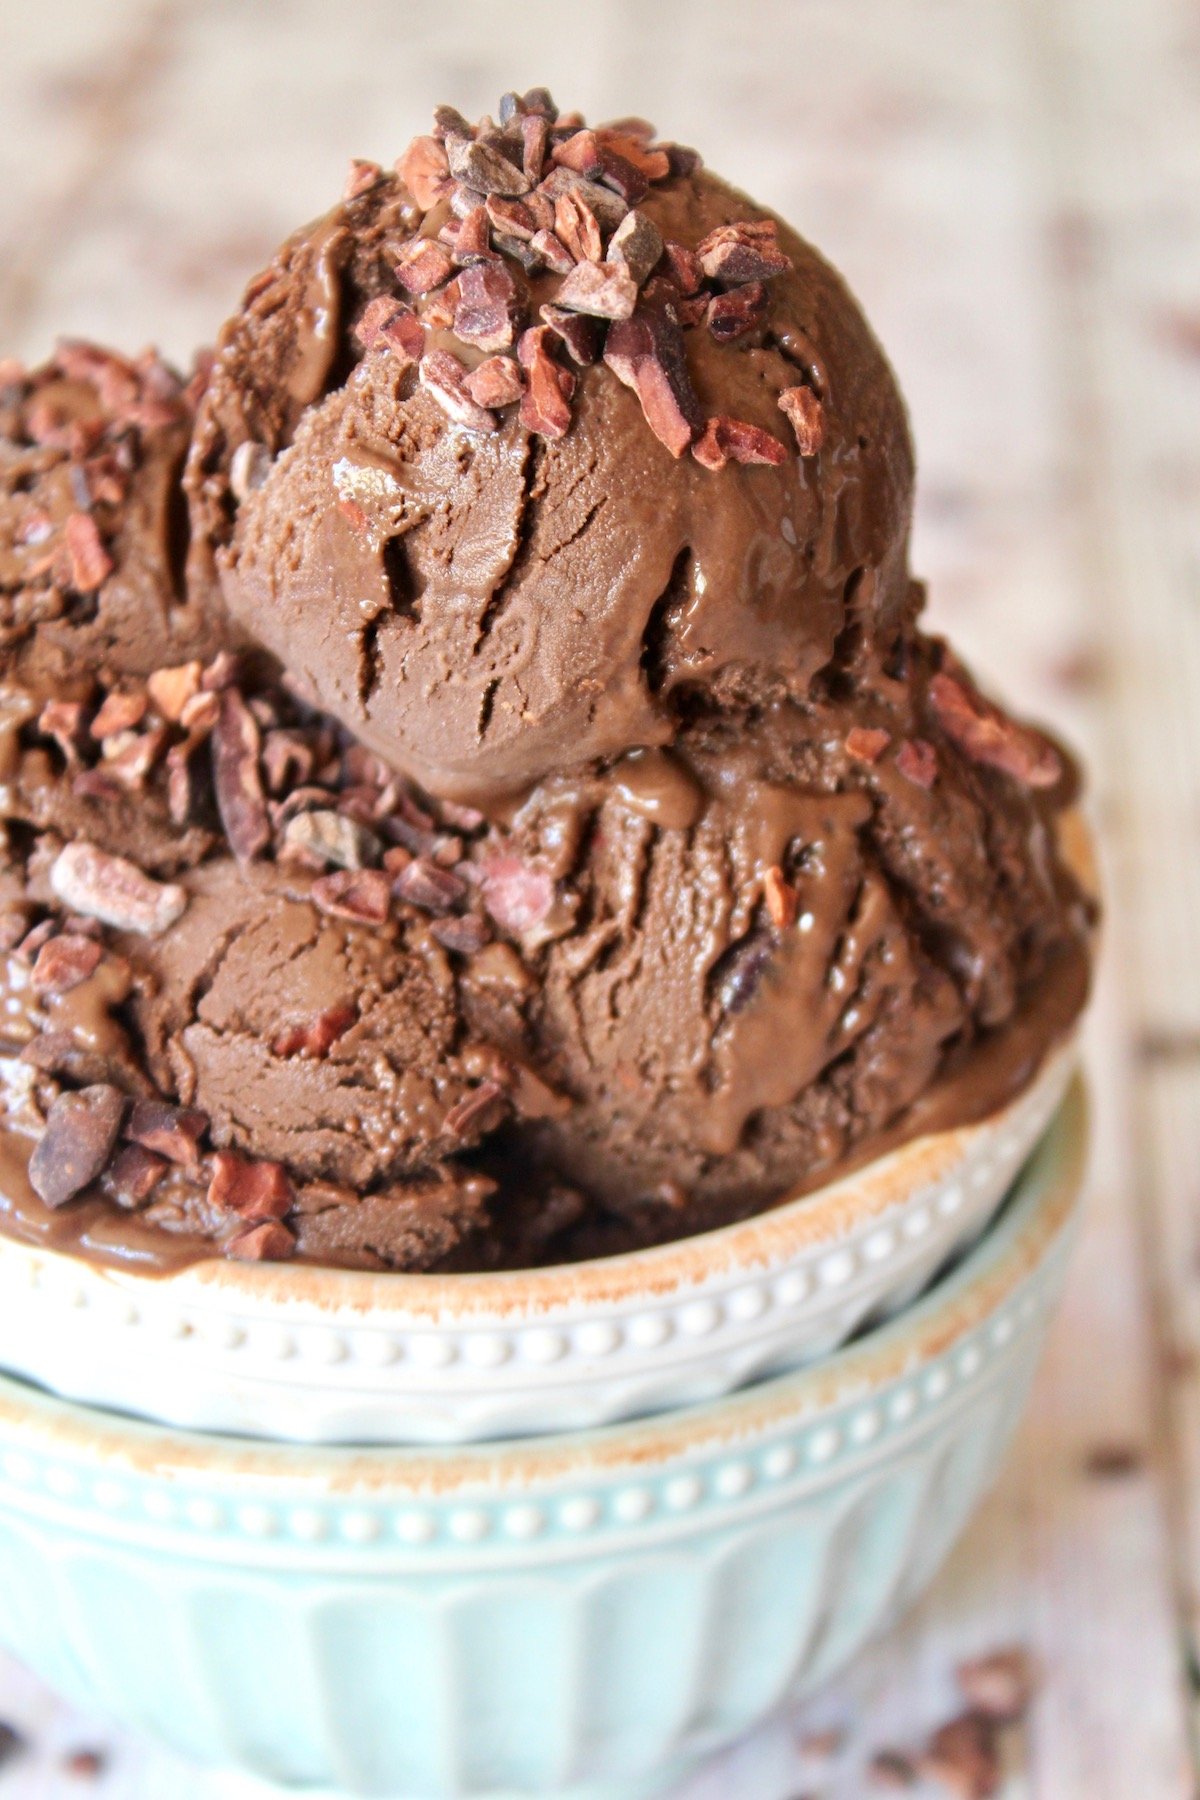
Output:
[[330, 1356], [584, 1617]]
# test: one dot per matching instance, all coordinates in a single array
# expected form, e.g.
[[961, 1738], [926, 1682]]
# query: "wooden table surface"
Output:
[[1013, 188]]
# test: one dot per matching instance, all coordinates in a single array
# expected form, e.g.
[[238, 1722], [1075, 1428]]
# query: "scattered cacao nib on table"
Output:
[[85, 1765], [11, 1743], [964, 1757]]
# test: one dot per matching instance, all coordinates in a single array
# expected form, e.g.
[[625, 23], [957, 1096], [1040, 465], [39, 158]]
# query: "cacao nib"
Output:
[[577, 228], [89, 563], [646, 352], [603, 290], [807, 417], [133, 1175], [361, 177], [316, 1036], [171, 1131], [916, 760], [734, 440], [783, 902], [518, 896], [81, 1130], [171, 689], [488, 310], [267, 1242], [334, 838], [745, 251], [423, 266], [496, 382], [552, 251], [363, 896], [237, 779], [867, 743], [580, 334], [425, 171], [738, 310], [115, 891], [485, 168], [637, 243], [464, 934], [446, 378], [423, 884], [119, 712], [472, 240], [684, 266], [63, 721], [535, 137], [64, 962], [545, 405], [253, 1190], [987, 735]]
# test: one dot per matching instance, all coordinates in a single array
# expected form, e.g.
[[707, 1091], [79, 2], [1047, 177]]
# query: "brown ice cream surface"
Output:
[[92, 526], [717, 1044], [514, 603], [93, 537], [759, 884]]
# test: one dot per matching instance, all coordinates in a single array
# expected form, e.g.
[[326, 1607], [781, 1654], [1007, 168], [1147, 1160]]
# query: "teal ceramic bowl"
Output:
[[582, 1616]]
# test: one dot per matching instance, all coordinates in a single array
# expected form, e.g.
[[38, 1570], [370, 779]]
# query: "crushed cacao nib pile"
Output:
[[474, 788]]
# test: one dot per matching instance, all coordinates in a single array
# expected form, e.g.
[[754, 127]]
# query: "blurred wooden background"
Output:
[[1013, 187]]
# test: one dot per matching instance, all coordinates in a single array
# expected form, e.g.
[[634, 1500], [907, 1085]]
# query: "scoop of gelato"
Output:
[[508, 460], [779, 938], [309, 1039], [93, 532]]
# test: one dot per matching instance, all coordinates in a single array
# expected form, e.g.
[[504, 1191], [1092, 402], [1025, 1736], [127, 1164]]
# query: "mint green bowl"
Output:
[[585, 1616]]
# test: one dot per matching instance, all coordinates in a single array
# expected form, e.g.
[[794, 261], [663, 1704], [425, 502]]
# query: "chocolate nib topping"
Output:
[[115, 891], [806, 414], [535, 195], [252, 1190], [237, 777], [133, 1175], [77, 1142], [646, 352], [266, 1242], [174, 1132], [65, 961], [987, 735]]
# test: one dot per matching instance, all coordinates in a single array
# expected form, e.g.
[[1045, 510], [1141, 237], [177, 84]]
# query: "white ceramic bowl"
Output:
[[582, 1617], [334, 1356]]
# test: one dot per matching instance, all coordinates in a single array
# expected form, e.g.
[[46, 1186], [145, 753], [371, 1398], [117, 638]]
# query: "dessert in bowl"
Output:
[[318, 1355], [586, 1615], [486, 833]]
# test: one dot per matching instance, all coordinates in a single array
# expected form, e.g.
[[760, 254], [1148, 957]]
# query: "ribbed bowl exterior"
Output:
[[584, 1617]]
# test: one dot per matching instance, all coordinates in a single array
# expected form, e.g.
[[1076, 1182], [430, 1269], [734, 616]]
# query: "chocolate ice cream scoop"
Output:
[[93, 534], [782, 936], [332, 1046], [513, 452]]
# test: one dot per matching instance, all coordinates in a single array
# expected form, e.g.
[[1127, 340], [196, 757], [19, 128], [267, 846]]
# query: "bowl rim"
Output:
[[1006, 1257], [805, 1225]]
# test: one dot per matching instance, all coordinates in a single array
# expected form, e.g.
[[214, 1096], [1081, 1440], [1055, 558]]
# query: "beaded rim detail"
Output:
[[963, 1337], [736, 1305]]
